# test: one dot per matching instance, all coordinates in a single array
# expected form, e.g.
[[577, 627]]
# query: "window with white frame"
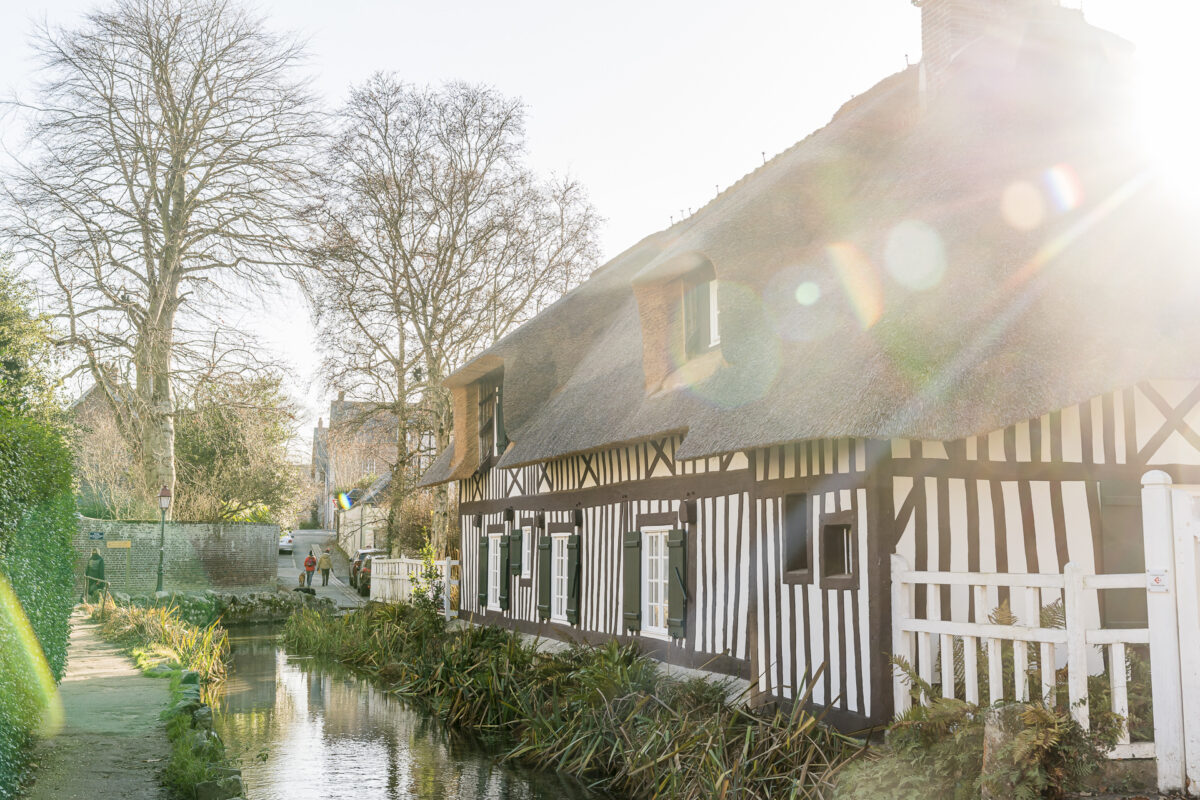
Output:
[[494, 576], [655, 569], [526, 551], [701, 326], [558, 577]]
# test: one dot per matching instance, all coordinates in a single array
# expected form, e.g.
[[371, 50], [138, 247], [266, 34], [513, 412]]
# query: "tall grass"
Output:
[[161, 632], [607, 714]]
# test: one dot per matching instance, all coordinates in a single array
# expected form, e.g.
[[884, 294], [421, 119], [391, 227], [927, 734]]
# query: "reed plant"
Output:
[[160, 631], [607, 715]]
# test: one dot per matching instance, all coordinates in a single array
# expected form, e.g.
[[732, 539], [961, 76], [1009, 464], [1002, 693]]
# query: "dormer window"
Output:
[[491, 424], [701, 331]]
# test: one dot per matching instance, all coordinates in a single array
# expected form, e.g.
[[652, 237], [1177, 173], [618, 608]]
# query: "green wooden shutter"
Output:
[[574, 578], [544, 565], [514, 551], [483, 572], [632, 587], [677, 595], [505, 582]]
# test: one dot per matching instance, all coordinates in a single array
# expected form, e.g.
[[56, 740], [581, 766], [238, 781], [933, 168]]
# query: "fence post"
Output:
[[1077, 649], [1165, 678], [1186, 525], [901, 641]]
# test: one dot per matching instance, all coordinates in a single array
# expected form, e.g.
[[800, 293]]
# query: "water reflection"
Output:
[[307, 729]]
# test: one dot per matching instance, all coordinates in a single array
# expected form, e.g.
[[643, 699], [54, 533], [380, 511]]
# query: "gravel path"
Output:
[[112, 743]]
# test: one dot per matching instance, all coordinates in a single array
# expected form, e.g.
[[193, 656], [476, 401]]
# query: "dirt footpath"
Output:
[[112, 743]]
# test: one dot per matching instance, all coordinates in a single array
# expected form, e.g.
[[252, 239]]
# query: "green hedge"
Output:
[[37, 521]]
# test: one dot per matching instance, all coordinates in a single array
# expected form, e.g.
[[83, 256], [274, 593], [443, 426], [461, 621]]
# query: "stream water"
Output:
[[301, 728]]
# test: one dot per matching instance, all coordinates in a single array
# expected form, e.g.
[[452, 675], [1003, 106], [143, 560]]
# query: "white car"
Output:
[[285, 542]]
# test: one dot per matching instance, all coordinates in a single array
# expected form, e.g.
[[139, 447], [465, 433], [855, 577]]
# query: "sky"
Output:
[[653, 105]]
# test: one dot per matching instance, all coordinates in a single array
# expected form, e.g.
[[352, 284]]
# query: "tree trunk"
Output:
[[156, 405], [442, 414]]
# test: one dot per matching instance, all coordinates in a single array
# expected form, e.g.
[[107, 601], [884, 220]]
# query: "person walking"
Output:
[[325, 563], [93, 576], [310, 566]]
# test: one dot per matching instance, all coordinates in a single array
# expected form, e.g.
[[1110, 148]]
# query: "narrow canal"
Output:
[[301, 728]]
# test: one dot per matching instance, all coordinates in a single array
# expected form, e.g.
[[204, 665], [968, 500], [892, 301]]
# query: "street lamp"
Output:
[[164, 502]]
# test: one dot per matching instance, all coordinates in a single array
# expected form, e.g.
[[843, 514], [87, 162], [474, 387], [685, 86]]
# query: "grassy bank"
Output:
[[606, 715], [194, 659]]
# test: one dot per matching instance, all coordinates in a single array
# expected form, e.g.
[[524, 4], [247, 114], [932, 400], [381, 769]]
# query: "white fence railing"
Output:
[[947, 654], [393, 579], [1035, 651]]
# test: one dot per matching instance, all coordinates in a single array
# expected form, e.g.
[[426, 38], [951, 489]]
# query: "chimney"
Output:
[[342, 396], [948, 26], [320, 423]]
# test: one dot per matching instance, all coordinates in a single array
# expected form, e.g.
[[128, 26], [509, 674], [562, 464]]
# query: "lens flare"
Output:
[[344, 502], [1023, 205], [807, 293], [860, 280], [794, 301], [914, 255], [1063, 186], [24, 674]]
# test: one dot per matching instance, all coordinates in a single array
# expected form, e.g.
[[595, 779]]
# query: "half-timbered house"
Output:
[[957, 323]]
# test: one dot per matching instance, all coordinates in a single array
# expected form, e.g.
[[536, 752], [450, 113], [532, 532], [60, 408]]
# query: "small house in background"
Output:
[[364, 523], [956, 324], [359, 445]]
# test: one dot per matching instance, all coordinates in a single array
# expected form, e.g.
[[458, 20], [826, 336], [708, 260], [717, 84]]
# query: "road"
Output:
[[290, 566]]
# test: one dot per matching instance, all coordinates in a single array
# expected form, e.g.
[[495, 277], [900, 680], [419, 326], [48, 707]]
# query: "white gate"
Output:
[[1034, 648], [946, 654], [1171, 521], [392, 580]]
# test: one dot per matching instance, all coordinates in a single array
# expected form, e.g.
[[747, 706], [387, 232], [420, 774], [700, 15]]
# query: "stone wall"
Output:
[[197, 555]]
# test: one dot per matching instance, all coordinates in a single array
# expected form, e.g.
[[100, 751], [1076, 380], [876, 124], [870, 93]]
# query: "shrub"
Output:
[[36, 558], [935, 749]]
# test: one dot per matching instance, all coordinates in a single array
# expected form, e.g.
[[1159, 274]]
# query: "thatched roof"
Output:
[[928, 273]]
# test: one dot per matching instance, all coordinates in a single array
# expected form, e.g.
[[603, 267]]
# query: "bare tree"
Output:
[[162, 174], [437, 239]]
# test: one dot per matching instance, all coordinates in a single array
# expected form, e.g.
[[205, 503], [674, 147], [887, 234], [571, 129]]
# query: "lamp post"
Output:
[[164, 502]]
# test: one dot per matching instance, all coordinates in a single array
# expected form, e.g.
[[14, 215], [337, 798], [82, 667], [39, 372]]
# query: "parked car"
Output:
[[357, 560], [286, 542], [364, 573]]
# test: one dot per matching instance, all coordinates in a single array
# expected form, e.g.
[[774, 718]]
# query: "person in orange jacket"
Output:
[[310, 566]]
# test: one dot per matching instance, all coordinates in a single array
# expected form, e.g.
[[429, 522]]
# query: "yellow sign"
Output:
[[122, 543]]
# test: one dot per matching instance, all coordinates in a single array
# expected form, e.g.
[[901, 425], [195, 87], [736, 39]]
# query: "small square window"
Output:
[[839, 553]]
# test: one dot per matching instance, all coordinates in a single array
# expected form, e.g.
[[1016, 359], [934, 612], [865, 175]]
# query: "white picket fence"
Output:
[[1171, 524], [929, 643], [392, 580]]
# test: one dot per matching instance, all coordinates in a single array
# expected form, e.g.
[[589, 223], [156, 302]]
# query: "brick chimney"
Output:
[[948, 26], [342, 397]]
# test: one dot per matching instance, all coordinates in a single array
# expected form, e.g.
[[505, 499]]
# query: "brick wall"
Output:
[[197, 555]]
